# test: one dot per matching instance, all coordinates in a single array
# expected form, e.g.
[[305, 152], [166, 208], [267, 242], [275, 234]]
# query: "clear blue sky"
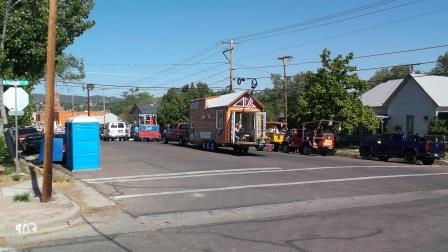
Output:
[[164, 32]]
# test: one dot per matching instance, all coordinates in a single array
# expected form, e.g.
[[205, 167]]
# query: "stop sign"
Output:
[[9, 99]]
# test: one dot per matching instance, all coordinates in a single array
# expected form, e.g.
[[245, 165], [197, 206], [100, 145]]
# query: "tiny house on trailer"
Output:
[[231, 120]]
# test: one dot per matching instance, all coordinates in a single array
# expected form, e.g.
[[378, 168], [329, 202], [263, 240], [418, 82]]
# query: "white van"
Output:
[[115, 131]]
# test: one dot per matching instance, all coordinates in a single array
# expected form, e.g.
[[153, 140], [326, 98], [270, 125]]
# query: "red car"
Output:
[[24, 133]]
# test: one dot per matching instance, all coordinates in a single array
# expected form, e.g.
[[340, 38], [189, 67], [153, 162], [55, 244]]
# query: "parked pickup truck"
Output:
[[410, 147], [177, 132]]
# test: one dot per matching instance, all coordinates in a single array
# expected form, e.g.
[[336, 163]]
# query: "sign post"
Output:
[[16, 108]]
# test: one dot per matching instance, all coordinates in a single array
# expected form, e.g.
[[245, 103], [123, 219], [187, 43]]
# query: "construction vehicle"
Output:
[[312, 137], [275, 133]]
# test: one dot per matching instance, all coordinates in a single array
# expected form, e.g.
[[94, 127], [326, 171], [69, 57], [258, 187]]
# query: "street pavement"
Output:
[[264, 201]]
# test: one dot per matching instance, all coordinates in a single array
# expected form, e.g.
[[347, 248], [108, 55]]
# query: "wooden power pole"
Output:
[[231, 61], [285, 60], [49, 103]]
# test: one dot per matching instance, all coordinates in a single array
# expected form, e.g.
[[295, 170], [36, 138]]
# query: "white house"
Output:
[[409, 104]]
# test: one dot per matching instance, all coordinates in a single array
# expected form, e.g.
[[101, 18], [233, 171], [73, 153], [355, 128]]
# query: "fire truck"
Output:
[[312, 137]]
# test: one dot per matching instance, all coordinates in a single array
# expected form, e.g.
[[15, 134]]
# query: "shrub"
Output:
[[3, 149], [438, 126], [23, 197]]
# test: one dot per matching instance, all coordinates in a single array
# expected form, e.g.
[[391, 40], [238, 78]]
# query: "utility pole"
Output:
[[49, 103], [104, 106], [231, 43], [285, 60], [89, 87], [73, 105]]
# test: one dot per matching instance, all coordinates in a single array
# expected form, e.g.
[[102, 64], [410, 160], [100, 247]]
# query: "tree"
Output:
[[333, 93], [133, 96], [441, 67], [438, 126], [23, 38], [393, 73], [175, 104]]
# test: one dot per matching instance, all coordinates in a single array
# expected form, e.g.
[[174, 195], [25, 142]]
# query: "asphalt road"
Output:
[[266, 202]]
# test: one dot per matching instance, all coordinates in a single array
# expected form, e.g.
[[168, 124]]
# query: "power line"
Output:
[[346, 33], [335, 21], [311, 21], [155, 64], [364, 69], [356, 57], [186, 60]]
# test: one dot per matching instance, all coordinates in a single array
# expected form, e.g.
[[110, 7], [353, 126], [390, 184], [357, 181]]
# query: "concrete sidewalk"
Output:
[[72, 202], [32, 216]]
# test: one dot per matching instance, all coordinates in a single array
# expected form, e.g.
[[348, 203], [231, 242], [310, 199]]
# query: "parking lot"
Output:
[[152, 178]]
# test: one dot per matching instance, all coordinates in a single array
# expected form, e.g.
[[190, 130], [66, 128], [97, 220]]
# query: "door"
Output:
[[232, 127], [260, 125]]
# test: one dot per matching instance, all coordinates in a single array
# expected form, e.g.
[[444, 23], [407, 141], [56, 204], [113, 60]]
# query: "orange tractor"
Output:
[[312, 137]]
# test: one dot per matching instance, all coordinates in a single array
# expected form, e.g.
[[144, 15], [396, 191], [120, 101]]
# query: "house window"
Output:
[[209, 115], [219, 119], [410, 124]]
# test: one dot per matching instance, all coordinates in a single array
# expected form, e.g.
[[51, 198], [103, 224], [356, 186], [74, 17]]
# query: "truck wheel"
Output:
[[245, 150], [306, 150], [410, 157], [276, 147], [213, 146], [285, 148], [428, 161], [384, 159], [365, 153], [181, 141], [204, 145]]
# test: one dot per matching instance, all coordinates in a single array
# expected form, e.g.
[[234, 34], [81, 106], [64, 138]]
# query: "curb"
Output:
[[68, 217]]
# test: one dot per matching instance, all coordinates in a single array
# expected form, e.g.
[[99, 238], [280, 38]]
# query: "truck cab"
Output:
[[410, 147], [177, 132]]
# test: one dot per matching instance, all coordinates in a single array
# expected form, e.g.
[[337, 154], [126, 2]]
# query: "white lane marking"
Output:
[[223, 173], [178, 174], [273, 185]]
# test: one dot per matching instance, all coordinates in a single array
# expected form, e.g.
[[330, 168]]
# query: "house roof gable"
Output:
[[229, 100]]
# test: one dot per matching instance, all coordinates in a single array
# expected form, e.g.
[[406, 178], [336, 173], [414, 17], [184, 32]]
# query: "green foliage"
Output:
[[333, 93], [26, 36], [23, 197], [25, 40], [69, 67], [385, 74], [441, 67], [438, 126], [133, 96], [3, 150], [175, 104]]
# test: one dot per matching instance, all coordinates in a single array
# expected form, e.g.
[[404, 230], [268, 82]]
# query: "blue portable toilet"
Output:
[[83, 143]]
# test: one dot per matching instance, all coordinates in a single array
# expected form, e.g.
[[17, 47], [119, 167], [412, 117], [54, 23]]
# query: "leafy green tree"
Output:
[[133, 96], [23, 38], [175, 104], [438, 126], [333, 93], [393, 73], [441, 67]]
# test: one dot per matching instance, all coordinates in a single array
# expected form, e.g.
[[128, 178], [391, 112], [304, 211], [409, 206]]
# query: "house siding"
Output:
[[411, 100]]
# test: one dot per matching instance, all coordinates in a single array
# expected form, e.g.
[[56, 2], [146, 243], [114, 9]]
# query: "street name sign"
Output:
[[22, 83]]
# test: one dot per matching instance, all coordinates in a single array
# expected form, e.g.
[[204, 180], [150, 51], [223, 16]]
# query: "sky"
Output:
[[135, 43]]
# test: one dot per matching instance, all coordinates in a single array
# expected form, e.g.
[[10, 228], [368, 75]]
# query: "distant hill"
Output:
[[77, 98]]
